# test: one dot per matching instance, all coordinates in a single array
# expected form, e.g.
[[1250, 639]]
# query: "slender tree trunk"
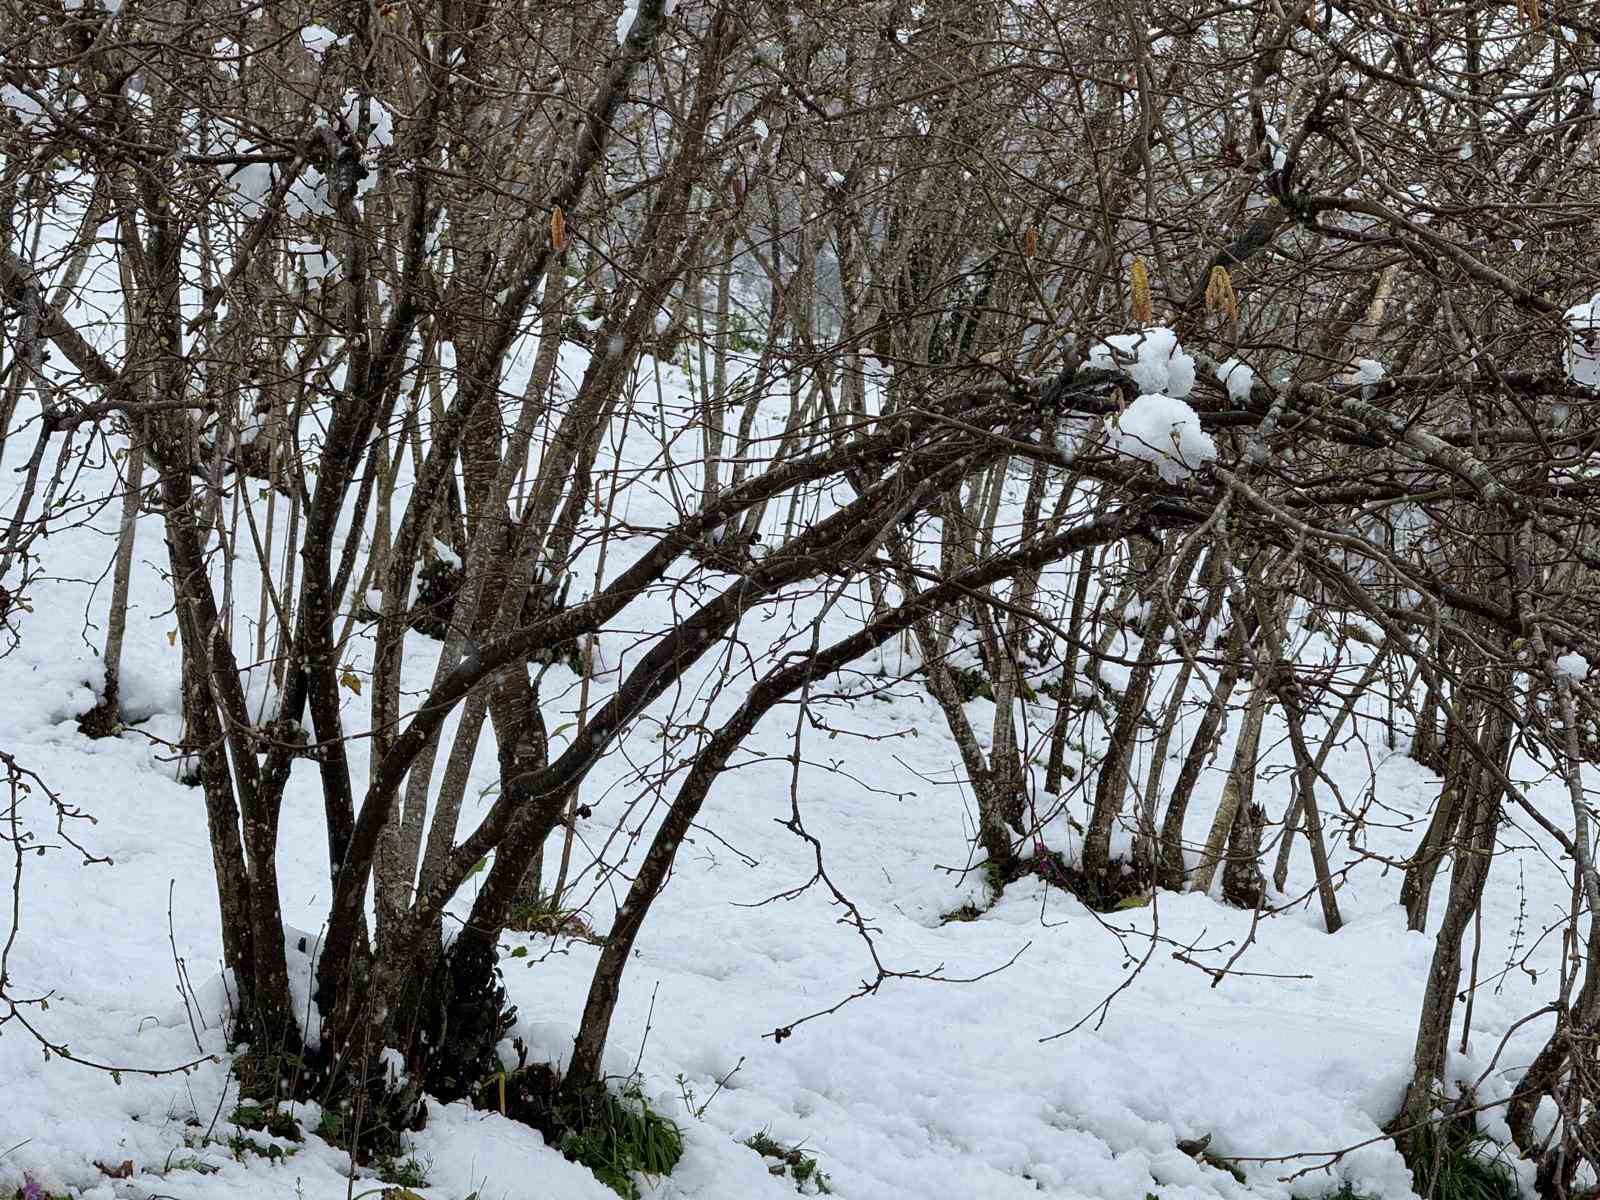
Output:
[[1111, 787], [1269, 610], [1201, 747], [1475, 848], [122, 575], [1305, 805], [1069, 675], [1243, 883], [1240, 785], [1460, 776], [1149, 844], [1291, 818]]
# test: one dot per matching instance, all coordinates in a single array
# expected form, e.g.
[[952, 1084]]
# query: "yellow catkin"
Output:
[[1139, 292], [1220, 296], [558, 230]]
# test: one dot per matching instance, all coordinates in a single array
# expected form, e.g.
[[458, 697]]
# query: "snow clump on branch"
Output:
[[1151, 358], [1237, 377], [1164, 431], [1159, 427]]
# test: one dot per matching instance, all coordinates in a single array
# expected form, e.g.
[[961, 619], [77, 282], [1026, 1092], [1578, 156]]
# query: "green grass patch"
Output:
[[613, 1133], [790, 1161], [615, 1136], [546, 917], [267, 1118], [404, 1173], [1454, 1161], [330, 1127], [240, 1145]]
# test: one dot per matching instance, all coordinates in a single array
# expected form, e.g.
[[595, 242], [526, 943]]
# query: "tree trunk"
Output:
[[1243, 884], [1202, 745], [117, 621], [1238, 789], [1475, 847]]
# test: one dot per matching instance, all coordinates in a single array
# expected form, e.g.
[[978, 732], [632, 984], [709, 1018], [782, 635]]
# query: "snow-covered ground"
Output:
[[951, 1089]]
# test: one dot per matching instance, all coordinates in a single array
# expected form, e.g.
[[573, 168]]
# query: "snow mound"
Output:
[[1163, 431], [1152, 358]]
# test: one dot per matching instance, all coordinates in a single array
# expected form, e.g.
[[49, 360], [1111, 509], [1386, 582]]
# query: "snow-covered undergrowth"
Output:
[[922, 1088]]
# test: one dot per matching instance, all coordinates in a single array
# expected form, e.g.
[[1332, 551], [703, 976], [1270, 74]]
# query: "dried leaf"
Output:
[[1030, 242], [558, 229], [349, 679]]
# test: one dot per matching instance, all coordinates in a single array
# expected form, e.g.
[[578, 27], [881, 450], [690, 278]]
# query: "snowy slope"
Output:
[[922, 1089]]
